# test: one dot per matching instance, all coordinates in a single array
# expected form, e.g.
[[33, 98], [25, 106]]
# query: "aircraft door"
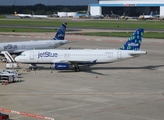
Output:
[[119, 55], [32, 55]]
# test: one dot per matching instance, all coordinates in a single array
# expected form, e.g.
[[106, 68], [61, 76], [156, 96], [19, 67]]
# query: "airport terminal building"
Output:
[[129, 7]]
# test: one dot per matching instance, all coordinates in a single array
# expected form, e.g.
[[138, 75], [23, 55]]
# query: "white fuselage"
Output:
[[146, 17], [24, 15], [31, 16], [39, 16], [18, 47], [76, 56]]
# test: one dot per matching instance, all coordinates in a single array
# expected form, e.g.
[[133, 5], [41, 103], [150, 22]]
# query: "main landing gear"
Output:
[[32, 66], [77, 68]]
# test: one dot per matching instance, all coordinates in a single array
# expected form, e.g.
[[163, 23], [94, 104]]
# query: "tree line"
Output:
[[40, 9]]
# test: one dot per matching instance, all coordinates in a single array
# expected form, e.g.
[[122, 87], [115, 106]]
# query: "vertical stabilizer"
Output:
[[134, 41], [111, 12], [60, 35], [15, 13]]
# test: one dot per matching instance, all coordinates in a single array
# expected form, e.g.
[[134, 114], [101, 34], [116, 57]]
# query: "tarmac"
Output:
[[126, 90]]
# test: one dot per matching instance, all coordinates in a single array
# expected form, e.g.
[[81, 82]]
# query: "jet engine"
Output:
[[62, 66]]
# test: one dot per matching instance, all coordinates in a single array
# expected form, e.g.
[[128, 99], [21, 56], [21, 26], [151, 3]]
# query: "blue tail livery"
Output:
[[60, 35], [134, 41]]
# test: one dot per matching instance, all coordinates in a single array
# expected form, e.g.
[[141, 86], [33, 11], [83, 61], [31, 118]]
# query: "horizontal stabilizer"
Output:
[[138, 53]]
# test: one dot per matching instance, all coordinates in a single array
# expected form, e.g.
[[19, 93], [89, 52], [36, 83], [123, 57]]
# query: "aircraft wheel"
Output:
[[32, 66], [77, 69]]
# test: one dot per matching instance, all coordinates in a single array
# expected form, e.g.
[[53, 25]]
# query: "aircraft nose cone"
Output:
[[17, 59]]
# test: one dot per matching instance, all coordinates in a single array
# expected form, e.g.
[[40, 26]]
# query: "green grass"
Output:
[[111, 24], [2, 16], [125, 34], [128, 24], [25, 30], [30, 22]]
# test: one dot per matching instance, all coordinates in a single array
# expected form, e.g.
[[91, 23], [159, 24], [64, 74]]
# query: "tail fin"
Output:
[[60, 35], [88, 13], [151, 13], [134, 41], [32, 13], [15, 13], [111, 12]]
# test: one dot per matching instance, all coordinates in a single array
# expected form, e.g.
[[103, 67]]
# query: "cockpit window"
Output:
[[22, 54]]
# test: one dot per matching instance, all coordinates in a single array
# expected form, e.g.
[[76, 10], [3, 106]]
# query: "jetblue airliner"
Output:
[[66, 59], [18, 47]]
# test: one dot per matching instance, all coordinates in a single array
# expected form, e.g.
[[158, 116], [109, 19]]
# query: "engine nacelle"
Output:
[[62, 66]]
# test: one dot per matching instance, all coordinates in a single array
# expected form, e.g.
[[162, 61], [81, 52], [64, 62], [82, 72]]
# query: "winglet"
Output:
[[60, 35], [134, 41]]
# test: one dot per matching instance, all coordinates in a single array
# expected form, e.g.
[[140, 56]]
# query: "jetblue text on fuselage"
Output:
[[10, 46], [47, 54]]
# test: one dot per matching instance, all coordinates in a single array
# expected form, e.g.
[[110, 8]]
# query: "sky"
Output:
[[47, 2]]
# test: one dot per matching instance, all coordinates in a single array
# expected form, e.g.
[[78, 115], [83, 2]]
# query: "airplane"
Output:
[[94, 16], [30, 15], [123, 17], [38, 16], [22, 15], [146, 17], [115, 16], [72, 58], [97, 16], [18, 47]]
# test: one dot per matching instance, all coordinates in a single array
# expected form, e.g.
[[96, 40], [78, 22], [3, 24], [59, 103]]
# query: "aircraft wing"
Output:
[[18, 51]]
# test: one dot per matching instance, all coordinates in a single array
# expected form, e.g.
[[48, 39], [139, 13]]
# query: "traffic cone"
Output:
[[6, 82]]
